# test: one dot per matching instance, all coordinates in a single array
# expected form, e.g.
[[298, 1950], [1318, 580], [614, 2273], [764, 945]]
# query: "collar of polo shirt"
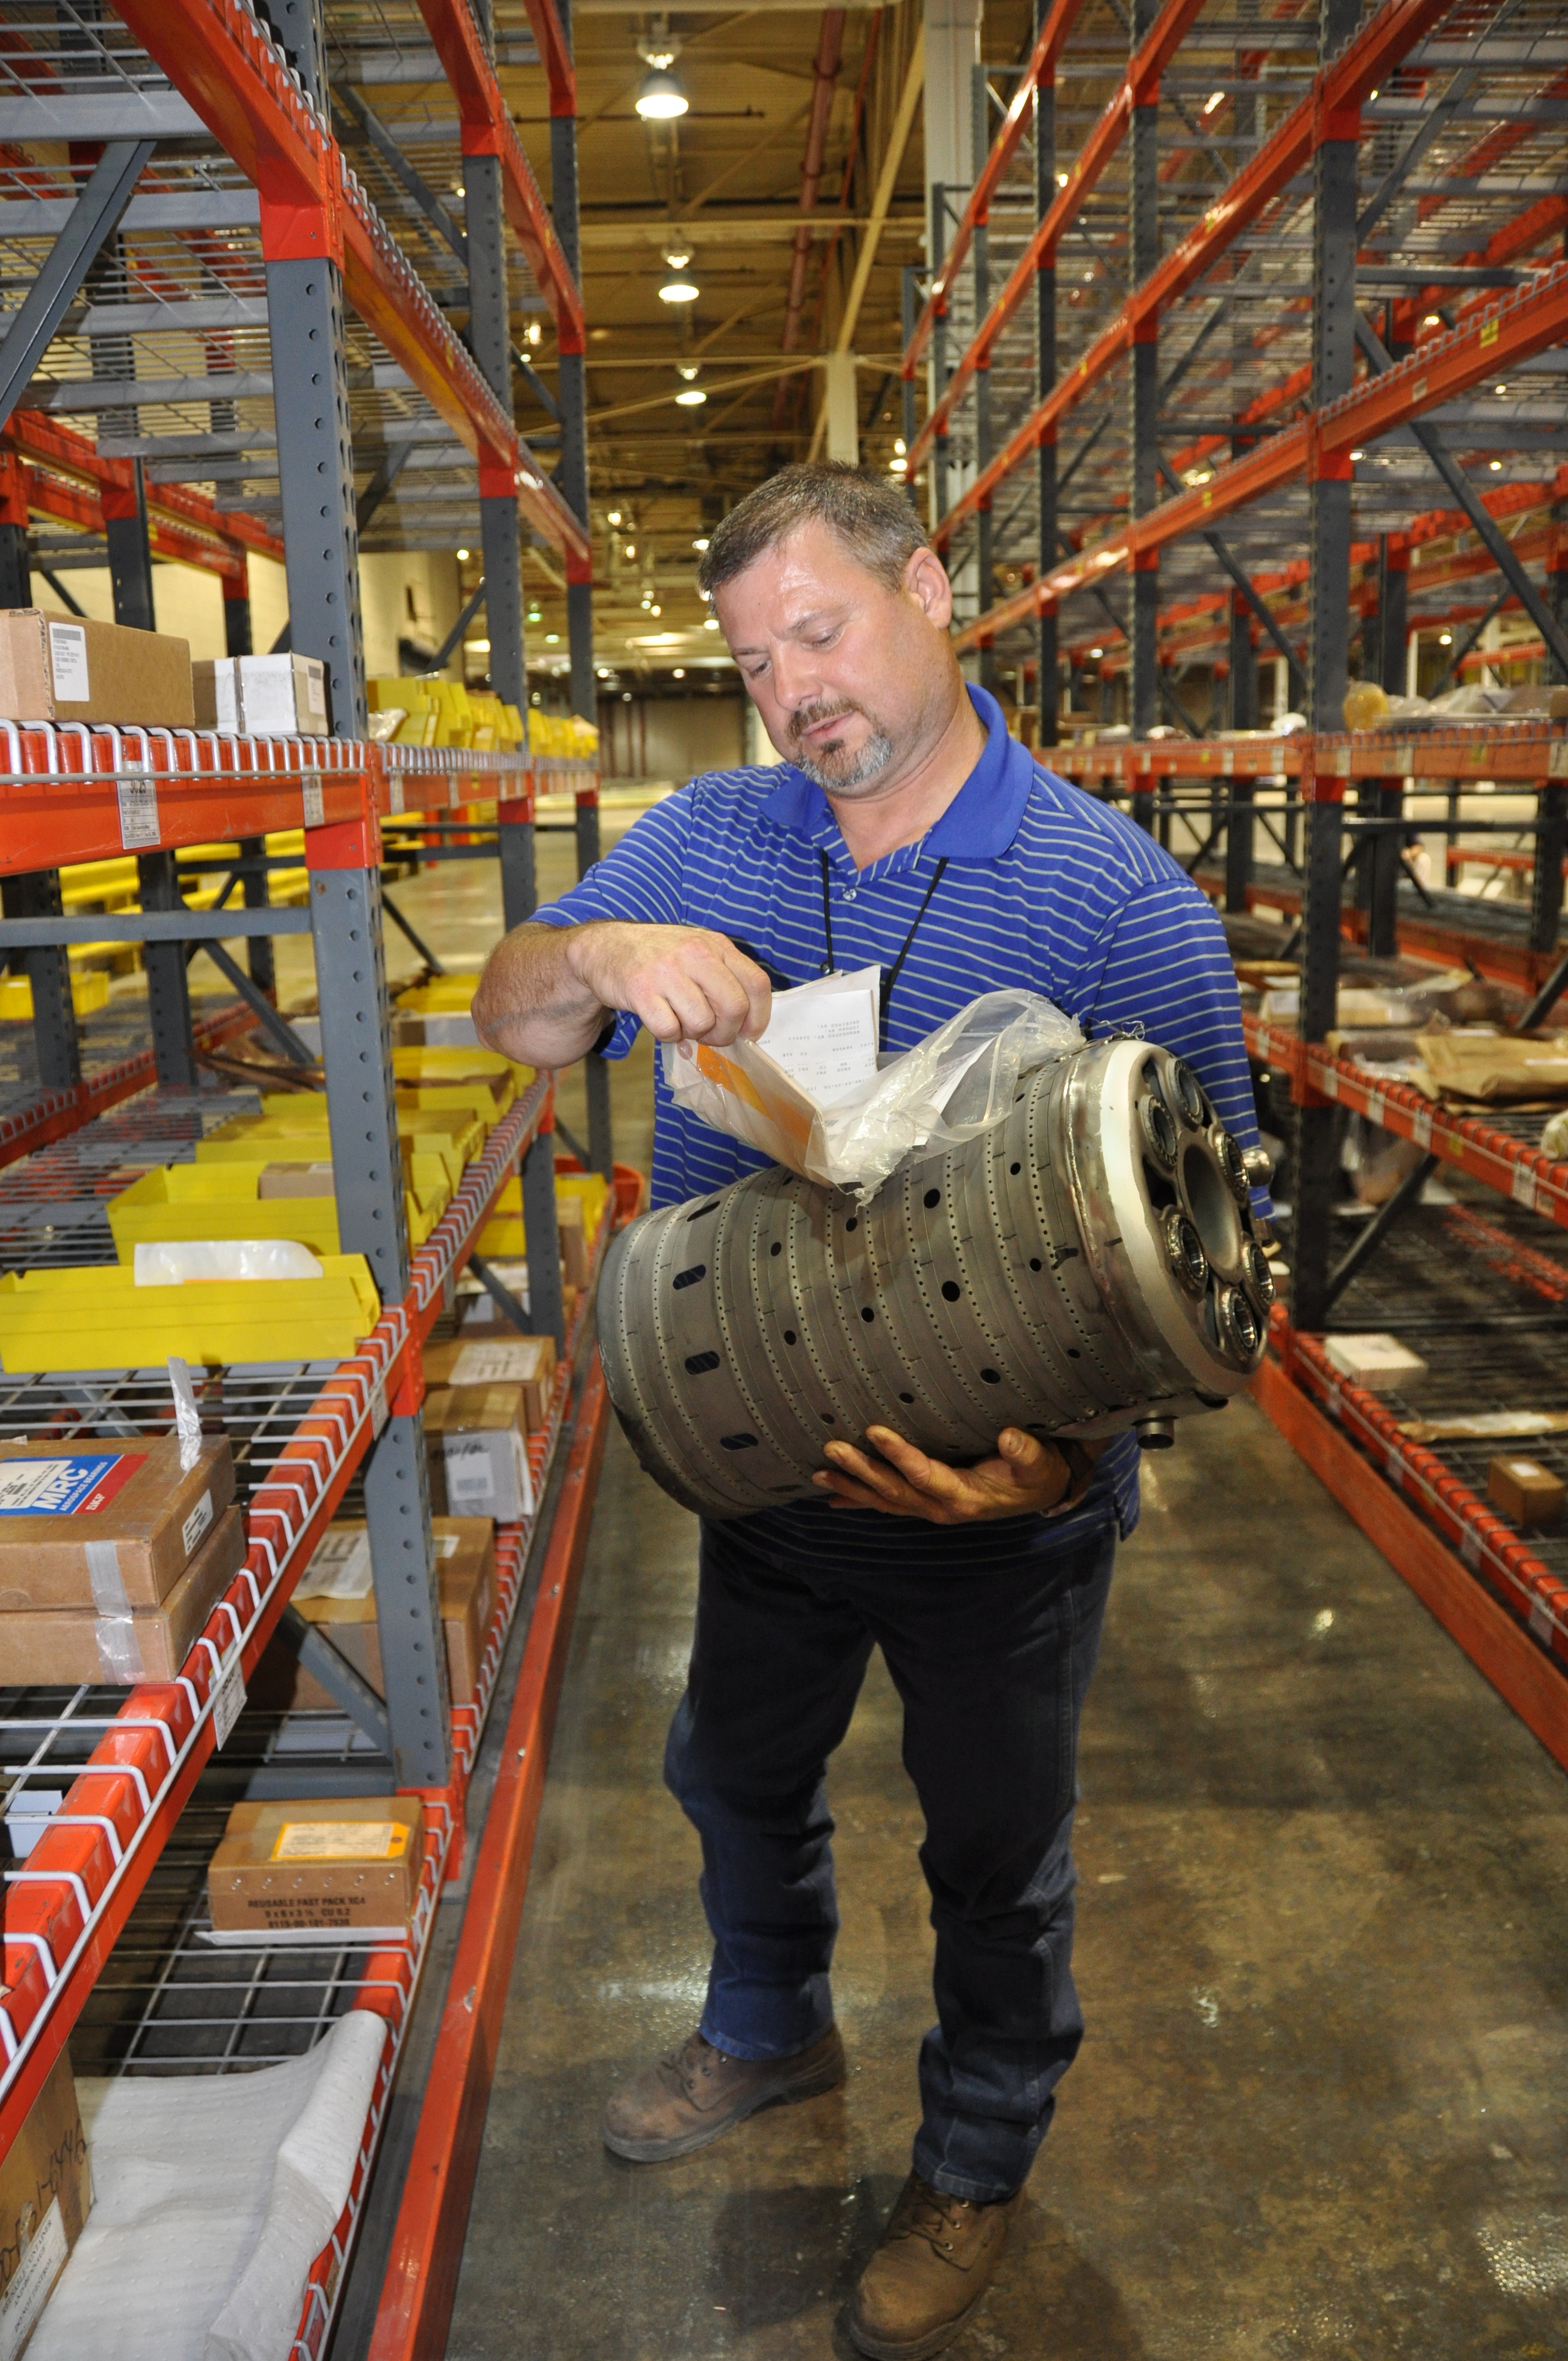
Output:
[[979, 824]]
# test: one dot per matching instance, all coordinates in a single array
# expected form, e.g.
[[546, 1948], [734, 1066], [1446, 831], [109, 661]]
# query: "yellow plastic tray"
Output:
[[505, 1233], [89, 991], [279, 1137], [98, 1318], [220, 1201]]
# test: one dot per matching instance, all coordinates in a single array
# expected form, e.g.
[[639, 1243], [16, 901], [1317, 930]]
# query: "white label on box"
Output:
[[196, 1523], [470, 1477], [512, 1361], [31, 2280], [315, 686], [228, 1703], [315, 810], [379, 1405], [1524, 1186], [67, 662], [342, 1840], [138, 810]]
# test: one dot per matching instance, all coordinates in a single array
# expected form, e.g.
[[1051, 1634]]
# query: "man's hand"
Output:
[[1027, 1477], [687, 983]]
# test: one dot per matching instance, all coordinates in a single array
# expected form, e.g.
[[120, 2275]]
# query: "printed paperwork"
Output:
[[824, 1035]]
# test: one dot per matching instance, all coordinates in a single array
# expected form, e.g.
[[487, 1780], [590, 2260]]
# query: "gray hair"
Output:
[[872, 516]]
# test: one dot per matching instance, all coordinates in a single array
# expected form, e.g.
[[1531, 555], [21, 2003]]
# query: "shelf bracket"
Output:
[[1387, 1216], [316, 1654]]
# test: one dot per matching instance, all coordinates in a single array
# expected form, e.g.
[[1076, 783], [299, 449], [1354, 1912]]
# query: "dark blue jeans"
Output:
[[992, 1665]]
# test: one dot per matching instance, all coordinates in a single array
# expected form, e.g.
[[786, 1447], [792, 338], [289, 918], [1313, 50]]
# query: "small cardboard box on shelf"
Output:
[[59, 1645], [507, 1360], [1526, 1492], [55, 668], [289, 1873], [478, 1452], [108, 1525], [45, 2195], [1376, 1361], [335, 1592], [267, 697]]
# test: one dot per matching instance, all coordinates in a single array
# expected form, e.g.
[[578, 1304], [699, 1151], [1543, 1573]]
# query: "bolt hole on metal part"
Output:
[[1088, 1264]]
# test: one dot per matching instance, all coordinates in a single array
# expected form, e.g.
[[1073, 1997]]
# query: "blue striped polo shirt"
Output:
[[1044, 888]]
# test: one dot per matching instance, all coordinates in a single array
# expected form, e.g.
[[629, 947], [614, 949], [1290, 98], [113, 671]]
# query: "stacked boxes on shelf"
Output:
[[112, 1556]]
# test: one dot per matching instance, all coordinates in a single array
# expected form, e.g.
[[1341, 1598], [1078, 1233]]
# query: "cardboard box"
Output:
[[59, 1645], [45, 2195], [1380, 1363], [267, 697], [1494, 1069], [290, 1873], [1526, 1492], [296, 1180], [466, 1567], [478, 1452], [508, 1359], [108, 1525], [54, 668]]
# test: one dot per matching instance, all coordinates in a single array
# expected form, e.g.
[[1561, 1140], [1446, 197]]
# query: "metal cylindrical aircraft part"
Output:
[[1089, 1263]]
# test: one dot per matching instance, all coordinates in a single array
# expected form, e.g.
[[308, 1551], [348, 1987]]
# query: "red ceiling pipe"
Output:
[[825, 75]]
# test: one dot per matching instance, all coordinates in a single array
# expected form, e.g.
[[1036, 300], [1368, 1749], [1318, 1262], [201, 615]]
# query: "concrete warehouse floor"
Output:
[[1319, 2114]]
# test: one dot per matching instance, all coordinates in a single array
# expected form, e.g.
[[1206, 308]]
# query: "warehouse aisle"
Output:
[[1322, 2105]]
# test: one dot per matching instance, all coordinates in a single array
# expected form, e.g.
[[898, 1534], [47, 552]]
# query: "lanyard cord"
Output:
[[890, 975]]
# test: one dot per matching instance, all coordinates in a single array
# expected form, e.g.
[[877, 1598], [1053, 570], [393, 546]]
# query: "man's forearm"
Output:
[[530, 1004]]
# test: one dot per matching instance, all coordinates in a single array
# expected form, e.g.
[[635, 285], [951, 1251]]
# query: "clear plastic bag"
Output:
[[181, 1262], [954, 1083]]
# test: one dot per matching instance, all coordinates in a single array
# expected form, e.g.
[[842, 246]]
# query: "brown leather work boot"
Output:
[[936, 2260], [695, 2092]]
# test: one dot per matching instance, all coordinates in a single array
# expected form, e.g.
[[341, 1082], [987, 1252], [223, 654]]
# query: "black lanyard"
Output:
[[890, 975]]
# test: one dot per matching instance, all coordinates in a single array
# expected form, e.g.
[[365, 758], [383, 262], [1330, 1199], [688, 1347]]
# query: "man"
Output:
[[905, 828]]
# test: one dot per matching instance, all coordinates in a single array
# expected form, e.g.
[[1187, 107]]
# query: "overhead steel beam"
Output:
[[124, 115], [191, 208], [94, 218]]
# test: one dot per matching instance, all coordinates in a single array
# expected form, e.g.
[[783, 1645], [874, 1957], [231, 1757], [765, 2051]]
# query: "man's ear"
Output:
[[926, 580]]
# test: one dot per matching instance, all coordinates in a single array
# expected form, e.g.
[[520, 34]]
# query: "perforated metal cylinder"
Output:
[[1089, 1264]]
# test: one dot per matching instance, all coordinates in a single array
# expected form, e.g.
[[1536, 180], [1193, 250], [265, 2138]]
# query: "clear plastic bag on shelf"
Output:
[[181, 1262], [957, 1081]]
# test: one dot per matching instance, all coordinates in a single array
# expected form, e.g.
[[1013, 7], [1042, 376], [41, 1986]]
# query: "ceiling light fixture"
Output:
[[690, 397], [1218, 99], [711, 623], [461, 555], [660, 98], [679, 673], [1445, 639], [614, 517], [701, 542], [1495, 465], [679, 287]]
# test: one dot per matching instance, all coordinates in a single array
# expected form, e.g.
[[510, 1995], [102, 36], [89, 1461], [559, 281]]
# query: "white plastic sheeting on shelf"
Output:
[[210, 2199]]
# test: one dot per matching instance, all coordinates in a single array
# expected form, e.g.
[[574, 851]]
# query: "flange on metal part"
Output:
[[1091, 1263]]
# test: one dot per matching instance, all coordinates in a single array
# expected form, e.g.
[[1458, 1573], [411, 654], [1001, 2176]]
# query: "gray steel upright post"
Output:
[[985, 589], [48, 970], [1047, 648], [168, 986], [908, 312], [573, 395], [937, 241], [315, 459], [367, 1182], [35, 896], [490, 330], [1328, 663], [1143, 242]]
